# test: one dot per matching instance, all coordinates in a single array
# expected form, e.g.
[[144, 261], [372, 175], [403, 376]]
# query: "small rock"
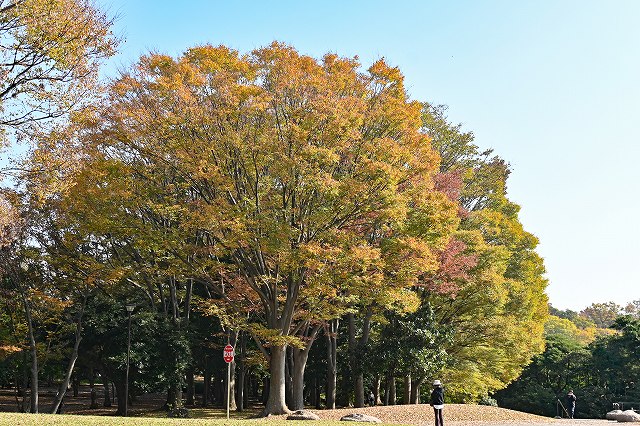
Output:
[[628, 416], [613, 415], [303, 415], [357, 417]]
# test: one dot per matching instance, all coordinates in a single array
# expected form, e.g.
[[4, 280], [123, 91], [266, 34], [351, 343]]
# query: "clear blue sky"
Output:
[[552, 86]]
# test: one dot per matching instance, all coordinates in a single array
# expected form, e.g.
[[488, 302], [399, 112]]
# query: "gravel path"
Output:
[[455, 415]]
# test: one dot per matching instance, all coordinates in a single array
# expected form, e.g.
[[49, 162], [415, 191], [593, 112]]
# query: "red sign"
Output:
[[227, 354]]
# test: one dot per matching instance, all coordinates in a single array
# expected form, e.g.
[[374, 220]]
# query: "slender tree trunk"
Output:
[[233, 340], [72, 361], [34, 367], [240, 393], [331, 334], [75, 384], [107, 394], [288, 377], [93, 393], [266, 384], [276, 401], [25, 384], [207, 383], [32, 348], [191, 389], [387, 390], [355, 347], [406, 394]]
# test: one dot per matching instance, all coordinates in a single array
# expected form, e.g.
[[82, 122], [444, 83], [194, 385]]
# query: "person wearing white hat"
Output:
[[437, 401]]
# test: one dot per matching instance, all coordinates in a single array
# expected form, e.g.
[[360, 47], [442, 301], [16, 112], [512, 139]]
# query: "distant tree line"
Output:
[[594, 352]]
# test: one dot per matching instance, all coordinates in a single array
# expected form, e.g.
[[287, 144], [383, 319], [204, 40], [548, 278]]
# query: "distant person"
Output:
[[372, 399], [437, 401], [571, 403]]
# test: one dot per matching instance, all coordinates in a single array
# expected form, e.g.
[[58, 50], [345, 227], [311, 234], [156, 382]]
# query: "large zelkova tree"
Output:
[[50, 51], [279, 181], [497, 307]]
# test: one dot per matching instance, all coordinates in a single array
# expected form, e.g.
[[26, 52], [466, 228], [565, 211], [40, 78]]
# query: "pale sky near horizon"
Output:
[[552, 86]]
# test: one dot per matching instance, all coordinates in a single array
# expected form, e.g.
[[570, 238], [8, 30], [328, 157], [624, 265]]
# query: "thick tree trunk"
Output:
[[392, 391], [300, 357], [120, 385], [359, 391], [331, 334], [406, 394], [276, 401], [376, 391]]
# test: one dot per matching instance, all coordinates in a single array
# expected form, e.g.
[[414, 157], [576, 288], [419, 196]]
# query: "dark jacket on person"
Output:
[[437, 396], [571, 399]]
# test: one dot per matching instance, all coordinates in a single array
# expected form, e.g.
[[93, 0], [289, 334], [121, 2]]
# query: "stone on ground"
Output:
[[359, 417], [628, 416], [303, 415], [613, 414]]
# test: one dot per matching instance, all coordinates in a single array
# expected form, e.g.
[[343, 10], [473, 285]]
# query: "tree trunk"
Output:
[[107, 394], [406, 394], [376, 391], [415, 391], [355, 349], [93, 393], [276, 401], [300, 357], [288, 377], [392, 391], [207, 383], [72, 362], [265, 390], [120, 385], [240, 386], [331, 334], [33, 350], [75, 385], [359, 391], [233, 340], [25, 384], [232, 388], [191, 389]]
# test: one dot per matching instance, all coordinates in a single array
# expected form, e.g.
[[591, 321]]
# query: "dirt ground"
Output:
[[419, 415]]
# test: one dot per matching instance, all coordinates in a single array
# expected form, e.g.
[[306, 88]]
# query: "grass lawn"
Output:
[[18, 419]]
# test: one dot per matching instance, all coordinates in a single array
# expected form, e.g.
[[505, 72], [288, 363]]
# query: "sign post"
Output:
[[227, 355]]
